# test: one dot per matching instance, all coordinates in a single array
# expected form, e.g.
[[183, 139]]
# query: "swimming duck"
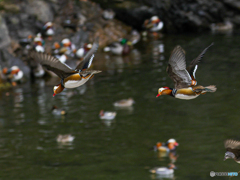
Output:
[[166, 147], [164, 170], [185, 82], [226, 26], [57, 111], [70, 78], [154, 24], [233, 150], [124, 102], [107, 115], [119, 48], [65, 138]]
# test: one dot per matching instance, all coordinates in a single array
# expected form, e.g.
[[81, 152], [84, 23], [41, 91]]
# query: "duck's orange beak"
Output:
[[158, 95], [54, 94], [176, 144]]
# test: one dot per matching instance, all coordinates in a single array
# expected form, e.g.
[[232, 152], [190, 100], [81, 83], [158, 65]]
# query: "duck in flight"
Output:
[[70, 78], [184, 78], [232, 150]]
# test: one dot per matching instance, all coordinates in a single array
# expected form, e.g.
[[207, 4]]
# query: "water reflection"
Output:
[[119, 148]]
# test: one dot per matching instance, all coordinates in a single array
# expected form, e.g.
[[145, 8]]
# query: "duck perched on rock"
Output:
[[154, 24], [184, 78], [232, 150], [48, 30], [13, 74], [70, 78], [71, 48]]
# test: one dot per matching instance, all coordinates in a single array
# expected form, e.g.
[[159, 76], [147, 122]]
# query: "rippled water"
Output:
[[122, 148]]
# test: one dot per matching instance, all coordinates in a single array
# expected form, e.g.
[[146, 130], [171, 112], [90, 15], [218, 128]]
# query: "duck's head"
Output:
[[15, 70], [155, 19], [172, 143], [229, 155], [66, 42], [164, 91], [101, 113], [57, 89], [172, 166], [159, 144], [48, 25]]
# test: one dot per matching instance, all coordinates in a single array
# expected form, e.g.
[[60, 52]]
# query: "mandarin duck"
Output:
[[48, 30], [185, 81], [124, 103], [166, 147], [66, 138], [80, 53], [71, 48], [13, 74], [107, 115], [154, 24], [70, 78], [233, 150]]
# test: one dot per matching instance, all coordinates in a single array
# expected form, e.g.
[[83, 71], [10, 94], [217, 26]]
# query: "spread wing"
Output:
[[193, 65], [177, 68], [233, 146], [52, 63], [87, 61]]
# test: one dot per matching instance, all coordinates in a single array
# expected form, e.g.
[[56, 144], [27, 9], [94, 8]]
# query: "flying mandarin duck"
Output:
[[184, 78], [70, 78]]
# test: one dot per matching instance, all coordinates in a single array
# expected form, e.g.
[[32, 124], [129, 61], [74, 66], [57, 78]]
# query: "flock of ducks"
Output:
[[184, 78]]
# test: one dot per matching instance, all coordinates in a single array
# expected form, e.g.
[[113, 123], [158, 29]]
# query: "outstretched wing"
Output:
[[87, 61], [177, 68], [52, 63], [192, 68], [233, 146]]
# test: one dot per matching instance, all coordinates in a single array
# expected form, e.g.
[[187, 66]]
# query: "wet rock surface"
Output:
[[179, 15], [80, 21]]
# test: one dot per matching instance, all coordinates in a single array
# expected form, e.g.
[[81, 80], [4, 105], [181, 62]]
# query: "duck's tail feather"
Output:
[[211, 88]]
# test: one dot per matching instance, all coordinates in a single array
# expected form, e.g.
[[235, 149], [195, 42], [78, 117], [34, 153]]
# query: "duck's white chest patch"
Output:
[[74, 83], [186, 97]]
